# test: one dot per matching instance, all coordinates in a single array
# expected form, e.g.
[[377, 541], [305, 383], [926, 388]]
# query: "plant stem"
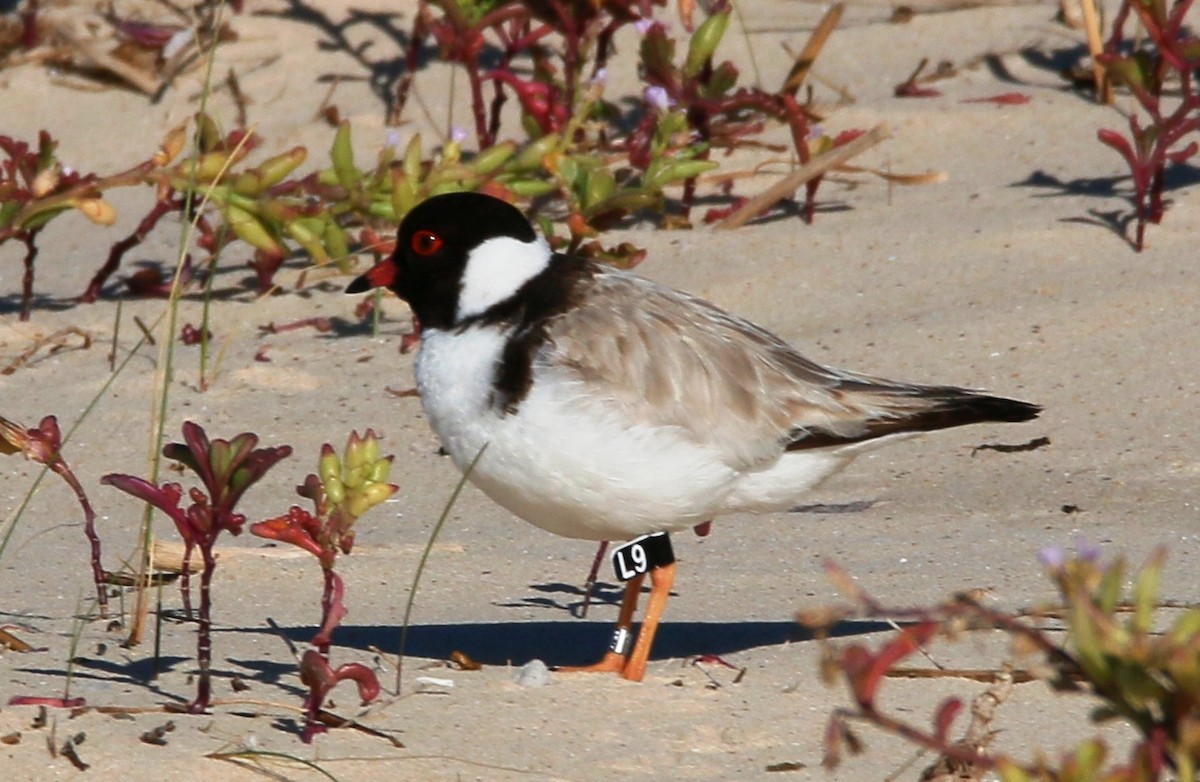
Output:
[[65, 439], [185, 578], [204, 333], [89, 529], [31, 252], [204, 632], [161, 208], [167, 351], [158, 618], [76, 632], [327, 608], [376, 313], [112, 356], [437, 528]]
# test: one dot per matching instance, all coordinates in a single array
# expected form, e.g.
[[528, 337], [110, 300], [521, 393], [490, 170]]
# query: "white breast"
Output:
[[566, 461]]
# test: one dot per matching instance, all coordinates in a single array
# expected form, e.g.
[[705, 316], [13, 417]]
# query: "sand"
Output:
[[1015, 274]]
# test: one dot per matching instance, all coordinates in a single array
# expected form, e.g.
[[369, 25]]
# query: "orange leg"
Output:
[[614, 659], [661, 580], [618, 660]]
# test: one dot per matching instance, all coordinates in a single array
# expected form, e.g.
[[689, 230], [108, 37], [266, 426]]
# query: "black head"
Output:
[[436, 267]]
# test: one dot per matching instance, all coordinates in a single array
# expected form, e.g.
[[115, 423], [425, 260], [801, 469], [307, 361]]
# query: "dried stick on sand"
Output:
[[814, 168]]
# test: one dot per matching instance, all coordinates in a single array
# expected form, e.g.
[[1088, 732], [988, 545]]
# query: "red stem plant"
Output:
[[226, 469], [1172, 56], [43, 444], [1116, 650], [574, 147], [342, 491]]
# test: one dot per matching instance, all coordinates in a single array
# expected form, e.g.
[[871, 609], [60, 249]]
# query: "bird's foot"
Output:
[[611, 662], [627, 668]]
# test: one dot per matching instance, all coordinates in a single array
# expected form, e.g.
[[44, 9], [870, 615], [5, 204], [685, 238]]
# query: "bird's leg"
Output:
[[614, 659], [661, 580], [593, 574], [650, 553], [618, 659]]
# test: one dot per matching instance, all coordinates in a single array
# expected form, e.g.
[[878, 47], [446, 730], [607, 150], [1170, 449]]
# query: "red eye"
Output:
[[426, 243]]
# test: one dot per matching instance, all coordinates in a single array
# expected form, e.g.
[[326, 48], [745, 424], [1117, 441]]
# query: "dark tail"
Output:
[[924, 409]]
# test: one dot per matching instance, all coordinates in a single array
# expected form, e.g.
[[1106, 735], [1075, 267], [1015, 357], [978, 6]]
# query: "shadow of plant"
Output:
[[383, 74]]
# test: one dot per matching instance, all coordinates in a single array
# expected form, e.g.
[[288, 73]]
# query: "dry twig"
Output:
[[813, 169]]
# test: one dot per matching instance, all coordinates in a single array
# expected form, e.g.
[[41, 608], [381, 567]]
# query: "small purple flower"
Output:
[[1088, 550], [657, 97], [1052, 557], [643, 25], [458, 134], [393, 140], [601, 77]]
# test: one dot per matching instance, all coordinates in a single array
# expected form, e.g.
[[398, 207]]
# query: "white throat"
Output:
[[496, 270]]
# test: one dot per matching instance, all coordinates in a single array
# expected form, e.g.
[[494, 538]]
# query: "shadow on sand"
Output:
[[573, 642]]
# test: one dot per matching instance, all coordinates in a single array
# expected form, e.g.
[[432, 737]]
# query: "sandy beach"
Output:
[[1014, 274]]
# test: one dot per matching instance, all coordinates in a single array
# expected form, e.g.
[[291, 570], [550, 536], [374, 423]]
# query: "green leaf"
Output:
[[208, 135], [1108, 593], [8, 212], [251, 230], [531, 188], [704, 43], [337, 244], [342, 156], [43, 215], [600, 185], [493, 158], [412, 159], [1145, 592], [530, 158]]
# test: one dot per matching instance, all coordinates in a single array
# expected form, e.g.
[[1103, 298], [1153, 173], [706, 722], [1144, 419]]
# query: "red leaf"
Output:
[[719, 213], [364, 677], [1003, 99], [865, 671], [318, 676], [152, 36], [945, 716], [713, 659], [54, 703], [1181, 155], [910, 90], [296, 528]]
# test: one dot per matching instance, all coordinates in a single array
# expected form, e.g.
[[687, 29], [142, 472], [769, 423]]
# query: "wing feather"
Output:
[[667, 358]]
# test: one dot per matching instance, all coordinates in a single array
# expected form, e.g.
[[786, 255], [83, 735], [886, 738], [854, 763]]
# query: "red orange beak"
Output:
[[381, 275]]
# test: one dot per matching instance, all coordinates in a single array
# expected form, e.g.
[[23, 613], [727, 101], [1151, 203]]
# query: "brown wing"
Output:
[[670, 359]]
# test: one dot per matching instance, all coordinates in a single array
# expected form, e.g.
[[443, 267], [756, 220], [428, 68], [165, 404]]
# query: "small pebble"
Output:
[[532, 674]]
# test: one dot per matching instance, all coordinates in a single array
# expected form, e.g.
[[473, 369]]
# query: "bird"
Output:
[[597, 404]]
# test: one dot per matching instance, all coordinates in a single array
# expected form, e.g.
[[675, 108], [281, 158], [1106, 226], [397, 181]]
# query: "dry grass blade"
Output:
[[1091, 26], [253, 759], [57, 342], [816, 42], [132, 579], [927, 178], [990, 675], [813, 169]]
